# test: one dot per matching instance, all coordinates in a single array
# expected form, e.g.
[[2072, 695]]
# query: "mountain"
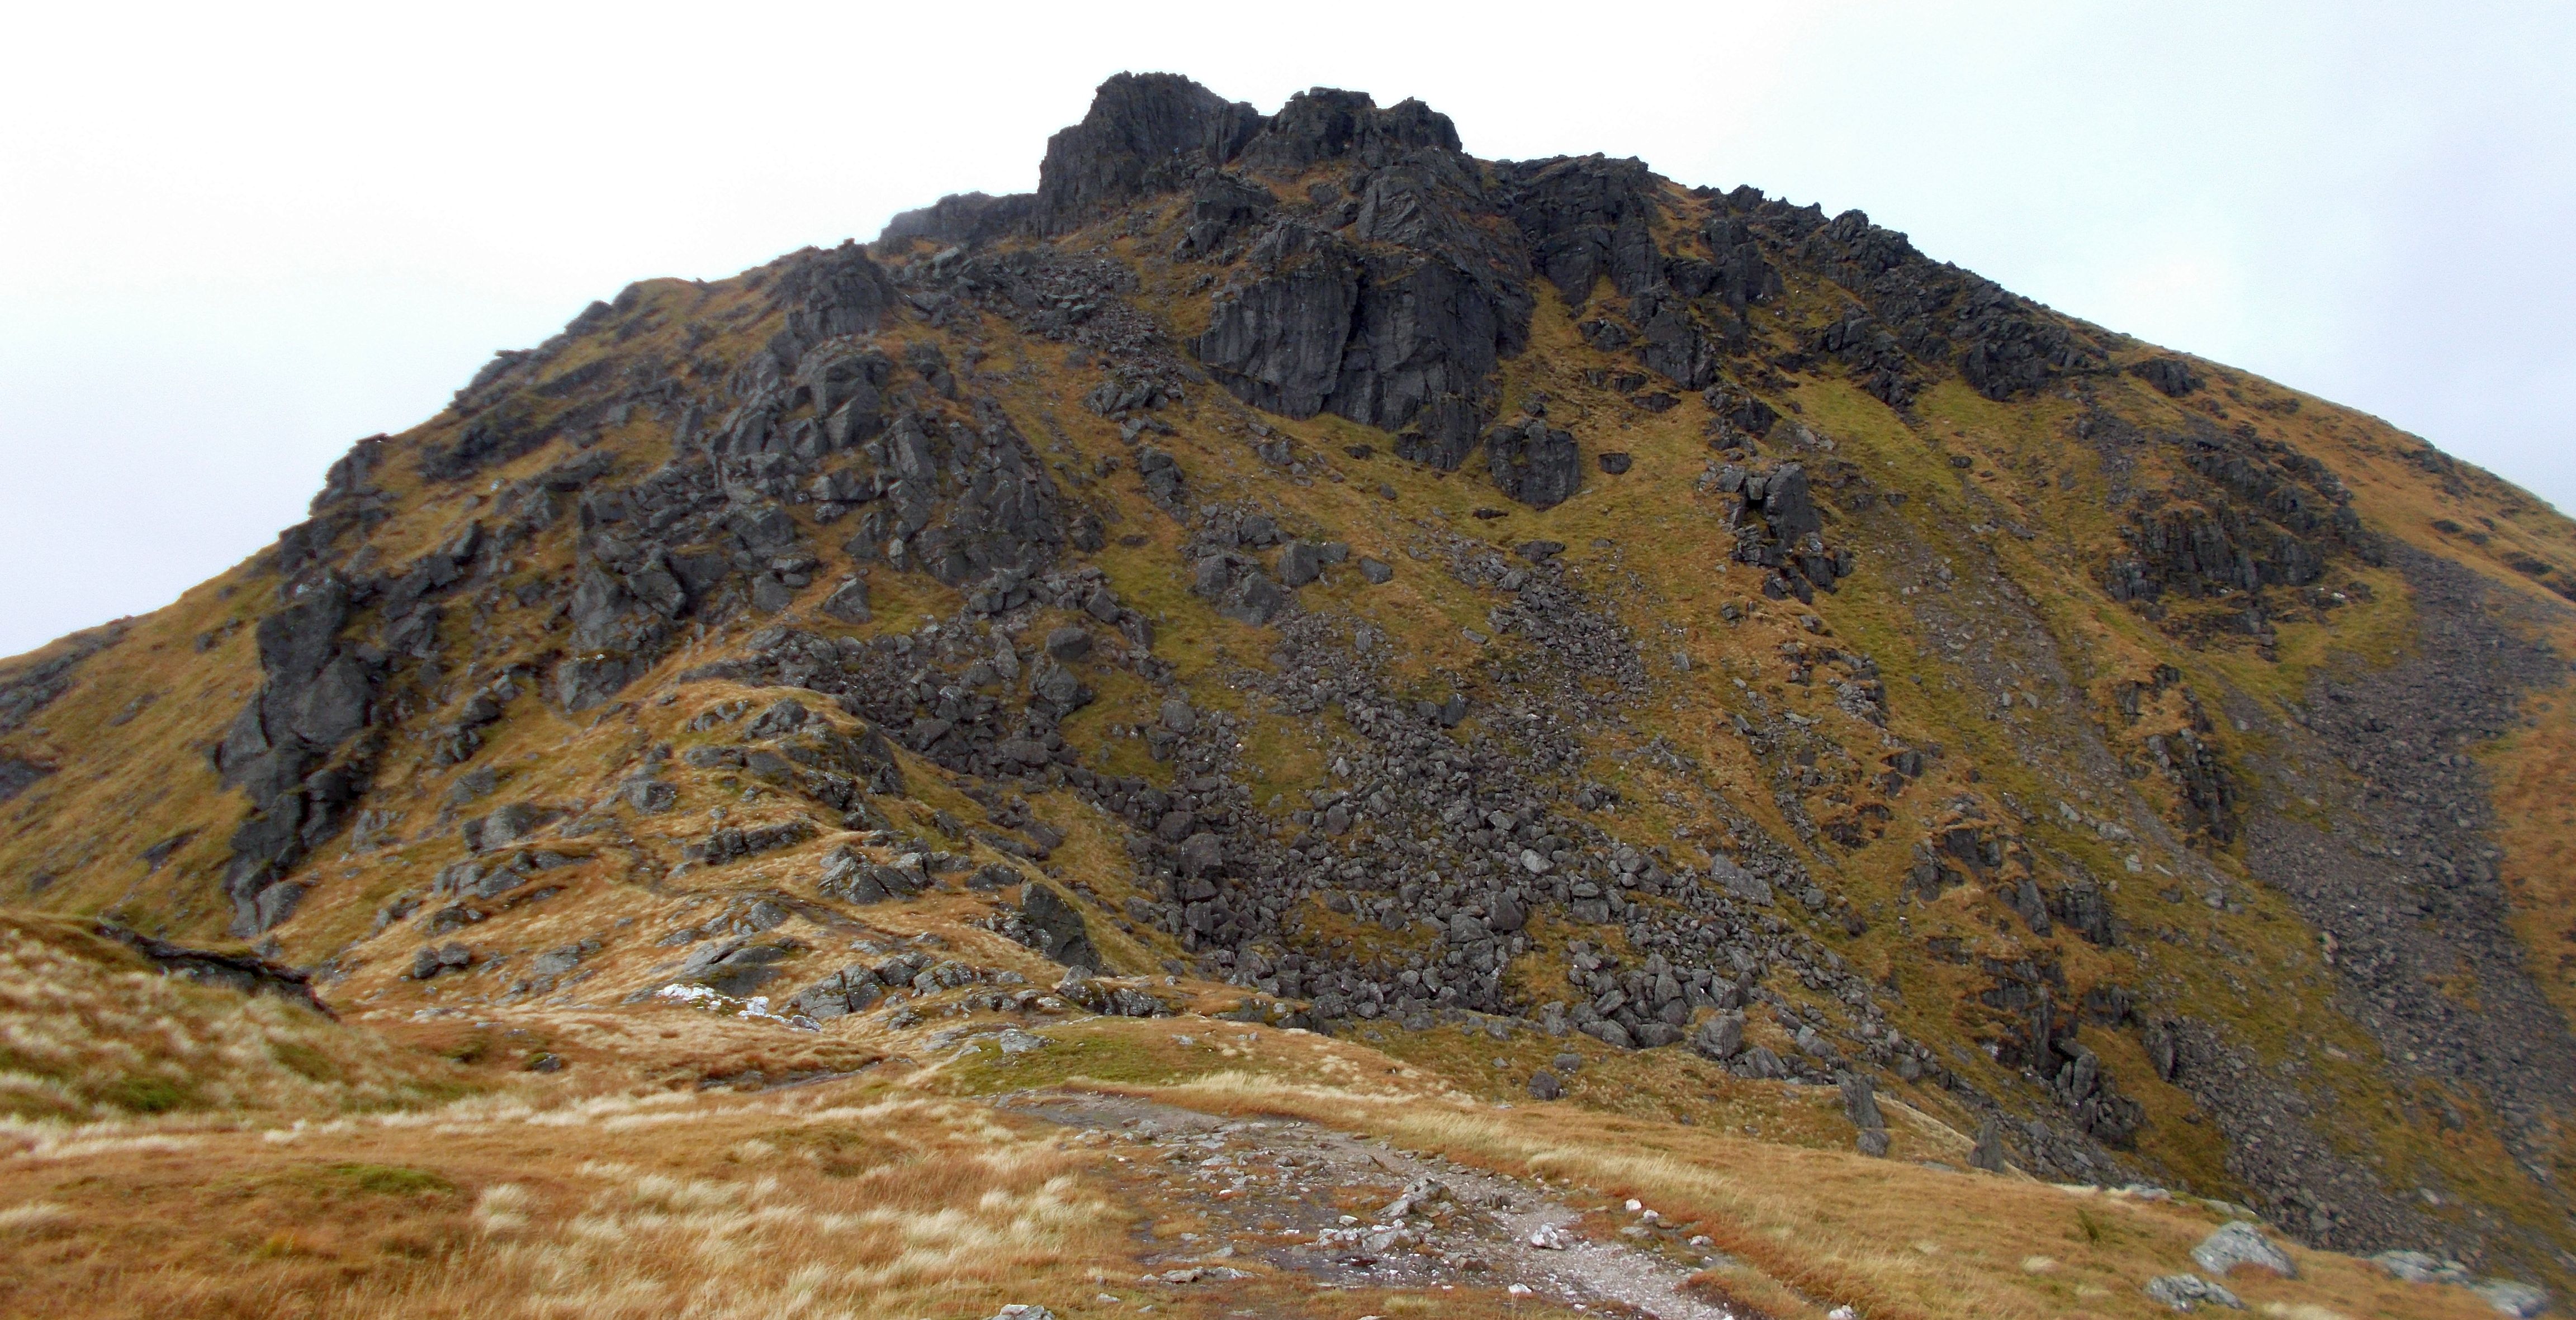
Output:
[[1552, 629]]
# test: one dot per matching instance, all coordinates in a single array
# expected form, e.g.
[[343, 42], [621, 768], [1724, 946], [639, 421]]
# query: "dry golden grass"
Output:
[[88, 1030], [802, 1205]]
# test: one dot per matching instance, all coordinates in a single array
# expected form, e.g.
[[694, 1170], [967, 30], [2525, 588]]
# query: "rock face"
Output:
[[316, 692], [1401, 335]]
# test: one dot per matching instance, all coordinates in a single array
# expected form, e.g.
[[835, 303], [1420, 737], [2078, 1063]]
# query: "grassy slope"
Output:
[[623, 1187]]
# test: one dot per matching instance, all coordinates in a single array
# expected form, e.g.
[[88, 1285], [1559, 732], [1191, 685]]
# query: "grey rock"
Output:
[[1721, 1037], [556, 962], [648, 795], [1144, 133], [1534, 463], [1740, 882], [1302, 562], [430, 962], [1544, 1086], [2184, 1292], [849, 602], [2241, 1243], [2169, 374], [782, 717], [1377, 573], [2420, 1267], [854, 879], [2509, 1297], [1860, 1102], [1787, 504], [1058, 928], [851, 990], [1202, 855], [1989, 1151], [1872, 1142], [1069, 644], [735, 968]]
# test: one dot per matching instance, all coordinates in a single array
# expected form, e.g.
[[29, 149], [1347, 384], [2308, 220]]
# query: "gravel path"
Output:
[[1277, 1191]]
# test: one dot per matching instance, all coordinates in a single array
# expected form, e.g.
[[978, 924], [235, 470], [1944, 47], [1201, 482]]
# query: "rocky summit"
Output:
[[1737, 768]]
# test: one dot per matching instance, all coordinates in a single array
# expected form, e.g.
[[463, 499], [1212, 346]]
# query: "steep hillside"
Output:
[[1486, 612]]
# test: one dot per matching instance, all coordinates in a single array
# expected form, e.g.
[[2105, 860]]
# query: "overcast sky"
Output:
[[235, 238]]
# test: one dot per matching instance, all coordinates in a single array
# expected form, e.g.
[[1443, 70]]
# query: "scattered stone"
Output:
[[1549, 1237]]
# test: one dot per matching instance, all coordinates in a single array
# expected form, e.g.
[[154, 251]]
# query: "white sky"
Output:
[[235, 238]]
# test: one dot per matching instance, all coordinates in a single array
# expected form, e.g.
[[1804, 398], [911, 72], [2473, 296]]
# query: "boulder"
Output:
[[1988, 1154], [1534, 463], [1302, 562], [1860, 1102], [848, 602], [1720, 1037], [1058, 928], [1069, 644], [1202, 855], [2241, 1243], [2184, 1292]]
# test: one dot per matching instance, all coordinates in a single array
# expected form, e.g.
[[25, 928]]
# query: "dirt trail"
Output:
[[1309, 1199]]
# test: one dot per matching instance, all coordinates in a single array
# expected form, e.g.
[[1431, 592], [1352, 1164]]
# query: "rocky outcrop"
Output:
[[317, 692], [1056, 928], [1144, 133], [1405, 341], [1329, 125], [1777, 526], [962, 218], [2250, 515], [242, 972], [33, 684], [1585, 219], [2172, 376]]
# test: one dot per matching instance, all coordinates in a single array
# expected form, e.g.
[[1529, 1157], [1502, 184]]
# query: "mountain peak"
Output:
[[1289, 573]]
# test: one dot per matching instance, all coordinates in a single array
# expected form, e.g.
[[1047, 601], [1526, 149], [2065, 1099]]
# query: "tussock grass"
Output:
[[89, 1031], [790, 1206]]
